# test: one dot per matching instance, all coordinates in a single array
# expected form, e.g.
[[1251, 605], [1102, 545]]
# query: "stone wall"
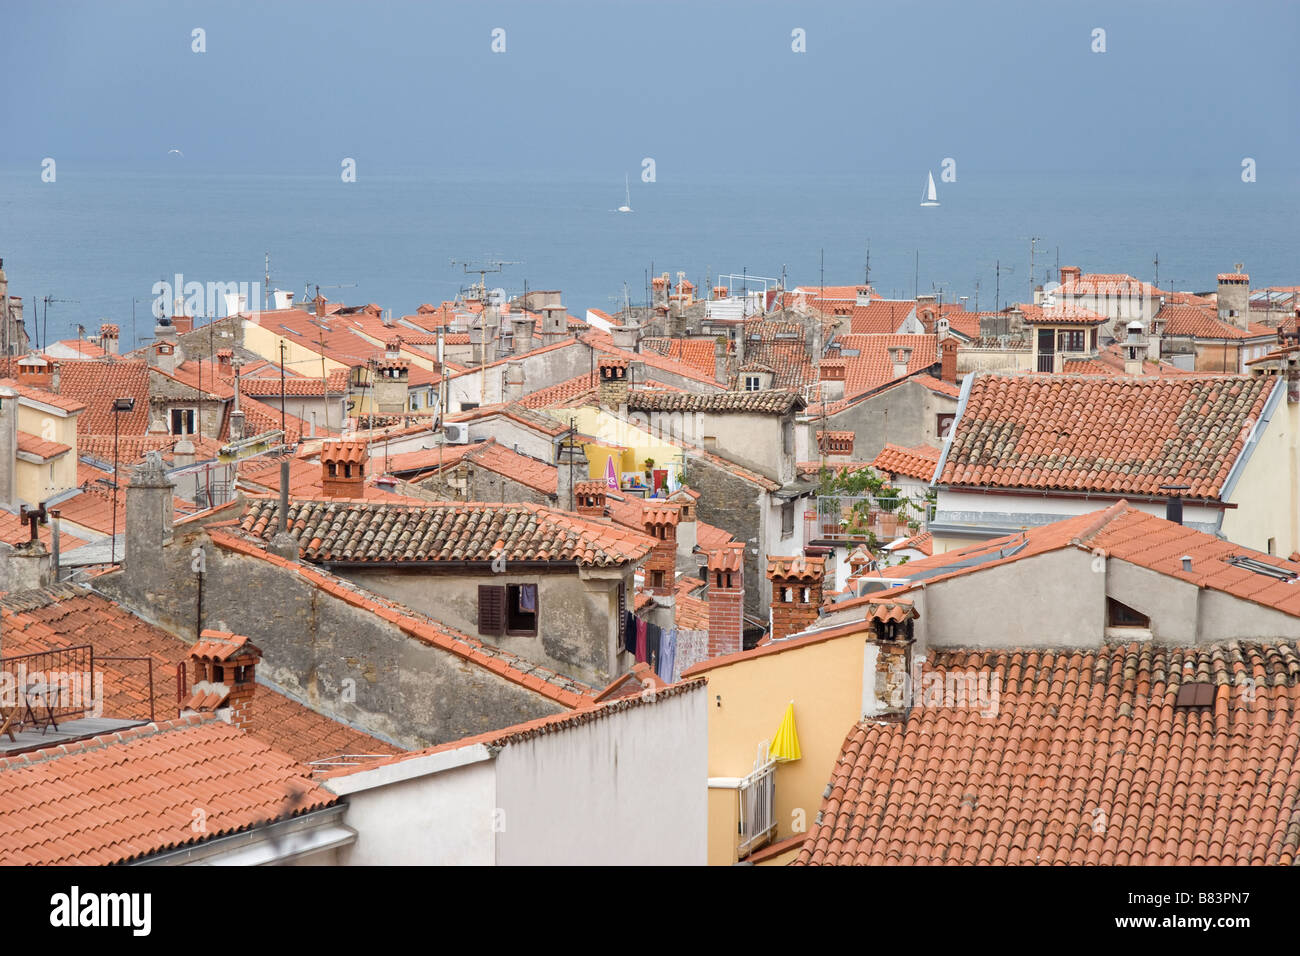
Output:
[[733, 504]]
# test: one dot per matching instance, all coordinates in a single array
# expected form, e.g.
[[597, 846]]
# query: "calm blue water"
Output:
[[103, 237]]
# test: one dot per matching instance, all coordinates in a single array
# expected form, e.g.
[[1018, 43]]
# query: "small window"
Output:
[[656, 579], [787, 519], [182, 421], [1272, 545], [521, 609], [787, 437], [1121, 615], [943, 425], [752, 383]]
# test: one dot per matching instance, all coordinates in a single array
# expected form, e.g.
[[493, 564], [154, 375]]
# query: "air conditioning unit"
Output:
[[457, 434]]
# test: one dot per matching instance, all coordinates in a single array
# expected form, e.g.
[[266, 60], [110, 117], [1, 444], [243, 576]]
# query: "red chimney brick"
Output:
[[589, 498], [726, 599], [948, 360], [343, 469], [797, 583], [659, 519], [224, 666]]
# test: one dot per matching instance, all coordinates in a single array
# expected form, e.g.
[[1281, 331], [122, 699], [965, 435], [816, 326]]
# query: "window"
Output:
[[787, 436], [415, 401], [943, 425], [1121, 615], [656, 579], [751, 383], [182, 421], [1272, 543], [1071, 340], [512, 609], [787, 519]]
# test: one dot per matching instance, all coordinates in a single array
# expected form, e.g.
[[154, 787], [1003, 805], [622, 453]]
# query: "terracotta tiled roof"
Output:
[[769, 402], [354, 531], [535, 474], [1127, 435], [873, 363], [15, 531], [1103, 283], [1060, 315], [881, 317], [518, 670], [35, 445], [603, 342], [697, 353], [1204, 323], [1088, 760], [537, 421], [951, 389], [66, 615], [923, 542], [561, 391], [918, 462], [132, 448], [133, 793], [83, 348], [297, 386], [58, 400]]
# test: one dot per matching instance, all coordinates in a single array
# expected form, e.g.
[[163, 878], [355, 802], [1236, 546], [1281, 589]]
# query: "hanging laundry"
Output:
[[629, 632], [528, 598], [640, 640], [668, 655], [652, 635]]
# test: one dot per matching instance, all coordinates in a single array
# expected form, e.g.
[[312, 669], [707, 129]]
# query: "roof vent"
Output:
[[1187, 563], [1261, 567], [1195, 694]]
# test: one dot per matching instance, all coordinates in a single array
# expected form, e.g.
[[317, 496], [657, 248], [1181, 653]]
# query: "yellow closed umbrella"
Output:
[[785, 745]]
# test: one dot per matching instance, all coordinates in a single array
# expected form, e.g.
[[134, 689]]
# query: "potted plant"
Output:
[[889, 503]]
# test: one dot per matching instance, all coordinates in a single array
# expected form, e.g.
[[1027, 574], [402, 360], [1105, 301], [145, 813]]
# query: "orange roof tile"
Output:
[[30, 444], [1123, 435], [130, 794], [918, 462], [1088, 759]]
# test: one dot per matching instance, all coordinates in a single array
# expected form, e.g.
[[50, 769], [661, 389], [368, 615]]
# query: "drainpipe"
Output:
[[54, 542]]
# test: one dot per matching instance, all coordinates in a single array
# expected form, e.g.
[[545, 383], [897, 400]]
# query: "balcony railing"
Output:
[[850, 519], [757, 808]]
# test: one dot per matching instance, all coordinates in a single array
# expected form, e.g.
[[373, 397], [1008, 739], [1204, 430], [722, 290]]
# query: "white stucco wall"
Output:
[[630, 788]]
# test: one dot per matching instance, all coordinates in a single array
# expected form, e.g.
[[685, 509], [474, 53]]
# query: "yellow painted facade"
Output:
[[35, 482], [747, 699]]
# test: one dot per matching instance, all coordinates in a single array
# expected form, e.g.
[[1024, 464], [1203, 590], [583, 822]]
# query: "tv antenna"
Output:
[[482, 267], [45, 317]]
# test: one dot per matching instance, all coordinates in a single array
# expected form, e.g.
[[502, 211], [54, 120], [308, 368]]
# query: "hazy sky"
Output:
[[708, 89]]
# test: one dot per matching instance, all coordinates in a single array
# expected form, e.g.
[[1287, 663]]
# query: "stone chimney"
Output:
[[283, 543], [891, 645], [149, 511], [165, 353], [589, 498], [726, 571], [720, 370], [513, 382], [796, 593], [183, 453], [28, 565], [555, 323], [659, 520], [8, 445], [223, 667], [572, 467], [343, 469], [627, 337], [948, 360], [612, 391], [1234, 297], [392, 377], [687, 530], [521, 335], [108, 338], [902, 356]]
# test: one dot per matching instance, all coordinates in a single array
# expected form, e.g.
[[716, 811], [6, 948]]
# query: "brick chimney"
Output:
[[108, 338], [726, 571], [36, 371], [613, 382], [833, 373], [836, 444], [796, 592], [1070, 274], [392, 376], [948, 360], [226, 361], [224, 670], [659, 520], [343, 469], [589, 498]]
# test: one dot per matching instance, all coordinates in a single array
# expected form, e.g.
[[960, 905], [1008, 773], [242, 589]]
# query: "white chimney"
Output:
[[902, 359], [281, 299]]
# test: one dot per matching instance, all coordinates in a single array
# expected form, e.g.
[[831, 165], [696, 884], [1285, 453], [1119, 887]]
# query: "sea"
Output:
[[96, 241]]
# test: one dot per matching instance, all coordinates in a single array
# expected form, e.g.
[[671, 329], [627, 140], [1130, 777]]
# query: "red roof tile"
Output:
[[918, 462], [1125, 435], [1088, 759]]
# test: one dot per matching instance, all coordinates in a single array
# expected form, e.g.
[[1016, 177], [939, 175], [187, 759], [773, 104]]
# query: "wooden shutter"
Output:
[[491, 609]]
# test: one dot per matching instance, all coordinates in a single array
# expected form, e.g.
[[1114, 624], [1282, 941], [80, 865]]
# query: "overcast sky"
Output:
[[708, 90]]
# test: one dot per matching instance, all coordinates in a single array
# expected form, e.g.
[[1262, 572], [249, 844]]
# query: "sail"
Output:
[[931, 197]]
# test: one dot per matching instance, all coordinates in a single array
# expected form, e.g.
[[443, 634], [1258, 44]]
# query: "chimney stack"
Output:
[[555, 323], [797, 584], [589, 498], [224, 670], [659, 520], [1070, 274], [1134, 349], [720, 370], [343, 469], [283, 543], [948, 360], [149, 512], [891, 638], [613, 382], [902, 355], [627, 337], [726, 571], [108, 338], [863, 296], [513, 387], [521, 337], [1234, 297]]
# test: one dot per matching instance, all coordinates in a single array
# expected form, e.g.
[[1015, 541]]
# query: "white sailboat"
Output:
[[930, 198], [627, 196]]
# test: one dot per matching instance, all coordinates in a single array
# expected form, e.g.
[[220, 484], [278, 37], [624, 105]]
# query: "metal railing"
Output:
[[853, 518], [757, 807], [49, 686]]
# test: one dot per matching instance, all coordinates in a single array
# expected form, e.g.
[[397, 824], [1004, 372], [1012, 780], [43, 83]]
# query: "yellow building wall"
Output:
[[825, 682], [1266, 494], [34, 483]]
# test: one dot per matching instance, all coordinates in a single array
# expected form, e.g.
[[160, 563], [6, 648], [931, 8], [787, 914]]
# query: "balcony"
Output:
[[757, 808], [852, 519]]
